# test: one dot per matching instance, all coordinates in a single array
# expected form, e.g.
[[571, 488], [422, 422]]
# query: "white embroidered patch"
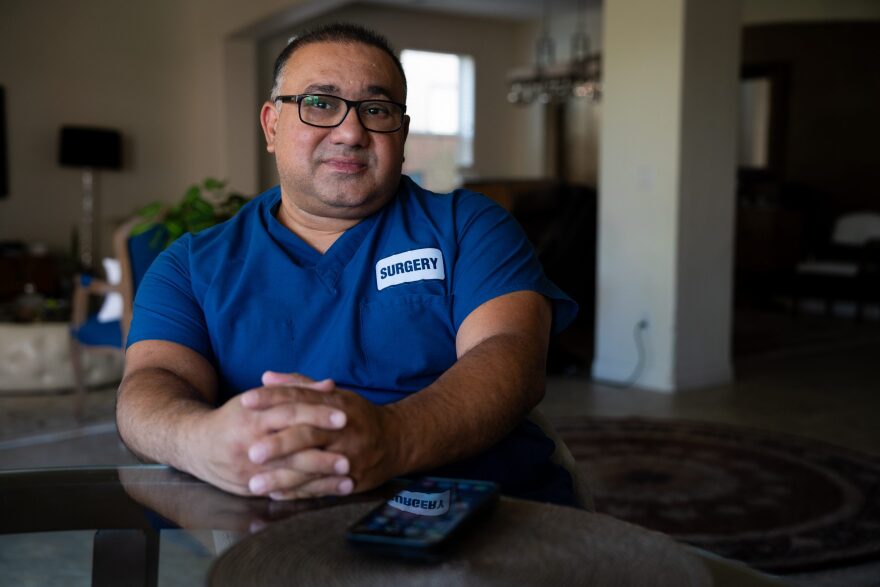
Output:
[[416, 265], [425, 504]]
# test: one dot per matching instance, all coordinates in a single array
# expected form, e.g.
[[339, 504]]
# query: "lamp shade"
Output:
[[82, 146]]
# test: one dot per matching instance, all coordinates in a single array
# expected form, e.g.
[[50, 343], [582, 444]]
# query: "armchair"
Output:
[[93, 333]]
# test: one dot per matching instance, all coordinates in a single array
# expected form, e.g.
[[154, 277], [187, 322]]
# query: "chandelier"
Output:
[[548, 82]]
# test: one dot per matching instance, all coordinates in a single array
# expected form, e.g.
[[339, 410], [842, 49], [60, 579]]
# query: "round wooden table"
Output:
[[519, 543]]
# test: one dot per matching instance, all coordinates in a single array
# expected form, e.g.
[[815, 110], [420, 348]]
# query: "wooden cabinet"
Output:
[[19, 269]]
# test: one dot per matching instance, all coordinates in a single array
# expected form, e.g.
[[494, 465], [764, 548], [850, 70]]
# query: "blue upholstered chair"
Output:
[[134, 254]]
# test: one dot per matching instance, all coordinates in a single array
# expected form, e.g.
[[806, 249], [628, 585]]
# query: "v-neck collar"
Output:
[[328, 266]]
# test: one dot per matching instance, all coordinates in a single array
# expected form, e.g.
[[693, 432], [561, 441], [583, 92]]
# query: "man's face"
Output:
[[344, 172]]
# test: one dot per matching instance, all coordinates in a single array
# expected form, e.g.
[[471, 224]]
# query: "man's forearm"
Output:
[[156, 414], [166, 417], [473, 405]]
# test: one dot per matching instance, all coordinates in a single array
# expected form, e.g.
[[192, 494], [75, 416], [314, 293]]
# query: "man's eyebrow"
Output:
[[380, 91], [321, 89], [372, 91]]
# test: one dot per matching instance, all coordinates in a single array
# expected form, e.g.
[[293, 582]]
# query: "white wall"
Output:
[[94, 63], [154, 70], [707, 186], [666, 191], [177, 78], [638, 189]]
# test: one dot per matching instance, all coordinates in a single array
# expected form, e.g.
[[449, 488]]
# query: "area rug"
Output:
[[777, 502]]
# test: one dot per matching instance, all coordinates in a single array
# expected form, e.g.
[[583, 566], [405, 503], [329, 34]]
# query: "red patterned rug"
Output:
[[777, 502]]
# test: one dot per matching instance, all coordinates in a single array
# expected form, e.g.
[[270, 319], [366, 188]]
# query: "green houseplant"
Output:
[[203, 205]]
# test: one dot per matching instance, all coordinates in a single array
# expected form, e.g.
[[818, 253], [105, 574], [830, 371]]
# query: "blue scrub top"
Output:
[[378, 312]]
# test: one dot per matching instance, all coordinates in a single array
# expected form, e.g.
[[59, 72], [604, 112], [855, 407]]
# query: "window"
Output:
[[440, 103]]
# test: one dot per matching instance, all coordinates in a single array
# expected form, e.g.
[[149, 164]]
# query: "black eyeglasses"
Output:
[[326, 111]]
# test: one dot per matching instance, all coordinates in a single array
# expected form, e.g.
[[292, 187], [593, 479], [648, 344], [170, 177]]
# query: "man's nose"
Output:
[[350, 131]]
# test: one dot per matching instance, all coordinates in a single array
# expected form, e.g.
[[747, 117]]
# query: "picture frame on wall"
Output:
[[762, 120]]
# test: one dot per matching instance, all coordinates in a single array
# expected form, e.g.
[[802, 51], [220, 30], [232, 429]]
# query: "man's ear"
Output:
[[269, 120], [405, 126]]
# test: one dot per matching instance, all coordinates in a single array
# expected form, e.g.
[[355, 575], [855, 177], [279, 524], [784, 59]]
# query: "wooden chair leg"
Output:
[[79, 394], [861, 299]]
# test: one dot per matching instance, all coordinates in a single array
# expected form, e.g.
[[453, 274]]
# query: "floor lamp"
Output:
[[89, 149]]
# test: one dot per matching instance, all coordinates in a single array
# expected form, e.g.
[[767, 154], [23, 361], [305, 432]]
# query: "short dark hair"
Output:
[[339, 32]]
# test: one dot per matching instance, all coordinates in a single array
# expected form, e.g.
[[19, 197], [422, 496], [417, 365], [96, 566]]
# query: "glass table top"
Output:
[[91, 526], [152, 525]]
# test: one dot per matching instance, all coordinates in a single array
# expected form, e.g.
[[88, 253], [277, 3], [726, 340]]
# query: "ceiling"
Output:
[[513, 9], [507, 9]]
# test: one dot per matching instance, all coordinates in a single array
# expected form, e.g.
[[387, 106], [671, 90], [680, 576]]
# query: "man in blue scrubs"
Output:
[[347, 326]]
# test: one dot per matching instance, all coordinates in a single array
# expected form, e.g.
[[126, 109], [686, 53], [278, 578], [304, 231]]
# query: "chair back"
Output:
[[856, 229], [135, 254], [143, 250], [562, 456]]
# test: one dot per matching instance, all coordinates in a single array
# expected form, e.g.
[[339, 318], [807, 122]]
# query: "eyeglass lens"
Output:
[[378, 115]]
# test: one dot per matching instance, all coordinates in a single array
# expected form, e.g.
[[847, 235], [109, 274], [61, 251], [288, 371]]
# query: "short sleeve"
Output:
[[165, 307], [495, 258]]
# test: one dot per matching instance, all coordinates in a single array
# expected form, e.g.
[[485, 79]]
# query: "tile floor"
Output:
[[832, 394]]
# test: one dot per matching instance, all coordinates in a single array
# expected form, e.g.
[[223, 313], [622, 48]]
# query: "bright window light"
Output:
[[440, 103], [433, 91]]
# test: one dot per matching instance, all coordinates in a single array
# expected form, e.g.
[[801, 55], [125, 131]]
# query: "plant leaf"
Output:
[[150, 209], [202, 206], [214, 184], [141, 227], [192, 194]]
